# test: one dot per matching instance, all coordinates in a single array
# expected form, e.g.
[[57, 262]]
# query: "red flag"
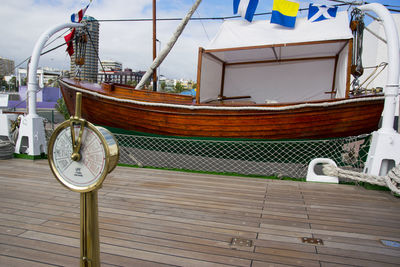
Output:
[[76, 17], [69, 40]]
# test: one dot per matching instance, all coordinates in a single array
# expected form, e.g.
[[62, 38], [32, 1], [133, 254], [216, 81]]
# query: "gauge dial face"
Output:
[[89, 170]]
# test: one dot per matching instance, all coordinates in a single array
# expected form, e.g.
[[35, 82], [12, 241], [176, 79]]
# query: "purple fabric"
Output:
[[22, 104], [48, 95], [51, 94]]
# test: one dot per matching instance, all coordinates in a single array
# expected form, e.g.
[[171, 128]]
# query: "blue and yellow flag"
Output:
[[284, 12]]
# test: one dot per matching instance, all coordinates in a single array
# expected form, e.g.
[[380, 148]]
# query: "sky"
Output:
[[23, 21]]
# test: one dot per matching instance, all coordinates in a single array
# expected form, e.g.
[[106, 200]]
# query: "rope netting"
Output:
[[268, 158]]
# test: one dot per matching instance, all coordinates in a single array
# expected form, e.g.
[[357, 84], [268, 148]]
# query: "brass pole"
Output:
[[78, 105], [90, 244], [76, 143]]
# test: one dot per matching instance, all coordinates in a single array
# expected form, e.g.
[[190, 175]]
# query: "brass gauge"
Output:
[[81, 154]]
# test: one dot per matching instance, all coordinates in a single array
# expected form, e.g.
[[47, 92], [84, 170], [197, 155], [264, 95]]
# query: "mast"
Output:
[[154, 44], [164, 52]]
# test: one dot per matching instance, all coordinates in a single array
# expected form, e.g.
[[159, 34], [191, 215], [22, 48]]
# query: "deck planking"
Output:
[[165, 218]]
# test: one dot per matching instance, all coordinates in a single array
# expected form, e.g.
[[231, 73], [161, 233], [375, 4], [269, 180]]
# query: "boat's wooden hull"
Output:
[[335, 119]]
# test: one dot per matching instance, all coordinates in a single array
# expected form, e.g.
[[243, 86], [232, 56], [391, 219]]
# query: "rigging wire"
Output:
[[204, 28], [204, 18], [95, 50], [357, 3], [44, 53], [58, 37]]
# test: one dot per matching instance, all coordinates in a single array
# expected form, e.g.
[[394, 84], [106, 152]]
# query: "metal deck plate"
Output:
[[390, 243]]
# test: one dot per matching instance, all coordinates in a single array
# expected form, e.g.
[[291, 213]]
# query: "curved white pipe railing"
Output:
[[385, 144], [37, 50], [392, 87]]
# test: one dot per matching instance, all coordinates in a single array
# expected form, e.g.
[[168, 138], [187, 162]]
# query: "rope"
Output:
[[391, 180], [6, 149], [195, 107]]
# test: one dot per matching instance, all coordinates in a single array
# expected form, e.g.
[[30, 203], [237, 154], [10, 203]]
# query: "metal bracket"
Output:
[[236, 241], [310, 240]]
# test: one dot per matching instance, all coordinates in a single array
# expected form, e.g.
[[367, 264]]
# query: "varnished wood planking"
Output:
[[161, 218], [323, 122]]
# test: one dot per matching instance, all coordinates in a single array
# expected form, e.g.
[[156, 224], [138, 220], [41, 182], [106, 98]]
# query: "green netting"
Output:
[[283, 158], [289, 158]]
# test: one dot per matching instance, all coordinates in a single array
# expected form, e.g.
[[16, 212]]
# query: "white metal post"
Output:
[[31, 137]]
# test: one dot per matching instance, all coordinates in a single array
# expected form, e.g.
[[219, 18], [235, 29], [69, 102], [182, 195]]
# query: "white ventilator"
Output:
[[31, 138]]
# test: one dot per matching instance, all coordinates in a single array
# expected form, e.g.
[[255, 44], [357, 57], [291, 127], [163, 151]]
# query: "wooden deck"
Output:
[[165, 218]]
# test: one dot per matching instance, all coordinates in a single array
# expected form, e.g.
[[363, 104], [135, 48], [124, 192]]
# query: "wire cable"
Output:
[[45, 47], [357, 3], [204, 18], [43, 53], [94, 48], [204, 28]]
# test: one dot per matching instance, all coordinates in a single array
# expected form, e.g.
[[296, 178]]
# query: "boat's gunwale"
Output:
[[234, 107]]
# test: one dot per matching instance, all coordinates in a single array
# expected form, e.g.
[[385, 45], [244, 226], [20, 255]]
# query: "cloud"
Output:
[[131, 42], [23, 22], [127, 42]]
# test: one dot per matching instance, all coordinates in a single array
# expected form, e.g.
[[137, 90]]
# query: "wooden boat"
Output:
[[120, 106], [215, 114]]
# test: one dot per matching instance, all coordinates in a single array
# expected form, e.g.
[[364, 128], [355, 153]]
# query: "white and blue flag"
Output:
[[321, 12], [245, 8], [77, 17]]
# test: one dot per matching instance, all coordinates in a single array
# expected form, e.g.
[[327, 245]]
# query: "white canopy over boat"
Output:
[[272, 63]]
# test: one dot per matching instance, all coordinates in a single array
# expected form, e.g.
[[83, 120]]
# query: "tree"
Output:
[[62, 108], [12, 84], [3, 83], [162, 84], [52, 83], [178, 87], [131, 83]]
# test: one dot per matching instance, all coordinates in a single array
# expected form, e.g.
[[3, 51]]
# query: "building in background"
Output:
[[170, 85], [111, 65], [6, 67], [89, 70], [127, 76], [45, 75], [46, 96]]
